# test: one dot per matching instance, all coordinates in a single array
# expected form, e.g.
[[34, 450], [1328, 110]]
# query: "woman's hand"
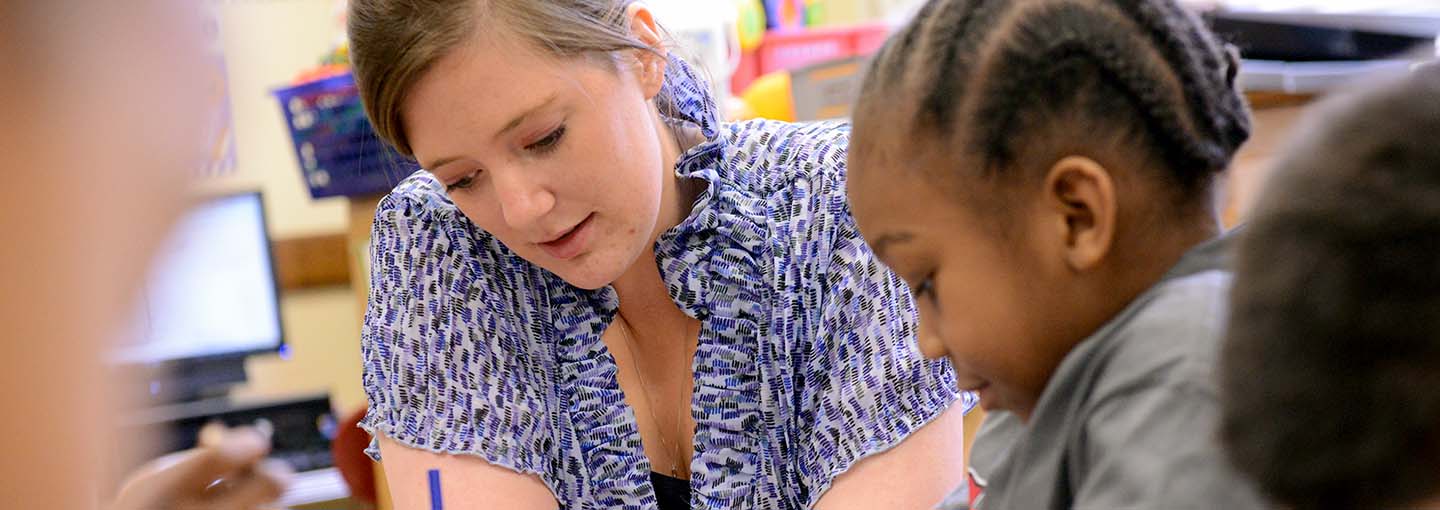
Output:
[[228, 471]]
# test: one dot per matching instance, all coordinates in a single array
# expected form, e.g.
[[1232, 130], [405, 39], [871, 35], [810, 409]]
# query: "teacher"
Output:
[[597, 295]]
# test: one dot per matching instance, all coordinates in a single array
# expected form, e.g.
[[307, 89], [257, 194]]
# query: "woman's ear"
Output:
[[1081, 193], [651, 62]]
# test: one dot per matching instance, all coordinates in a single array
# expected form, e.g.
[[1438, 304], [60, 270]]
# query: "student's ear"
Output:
[[1232, 64], [651, 62], [1081, 193]]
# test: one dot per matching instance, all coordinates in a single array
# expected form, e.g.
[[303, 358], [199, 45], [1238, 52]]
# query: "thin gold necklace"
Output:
[[679, 420]]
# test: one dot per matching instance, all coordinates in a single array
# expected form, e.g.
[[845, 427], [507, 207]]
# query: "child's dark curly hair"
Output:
[[1331, 371], [1007, 87]]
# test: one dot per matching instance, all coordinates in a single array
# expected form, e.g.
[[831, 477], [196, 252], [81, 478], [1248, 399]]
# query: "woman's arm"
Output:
[[440, 299], [465, 481], [918, 473]]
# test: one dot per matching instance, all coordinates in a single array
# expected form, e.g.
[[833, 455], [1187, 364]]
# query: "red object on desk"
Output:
[[355, 467]]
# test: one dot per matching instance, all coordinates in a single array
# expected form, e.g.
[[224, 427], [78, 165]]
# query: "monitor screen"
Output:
[[1399, 17], [211, 291]]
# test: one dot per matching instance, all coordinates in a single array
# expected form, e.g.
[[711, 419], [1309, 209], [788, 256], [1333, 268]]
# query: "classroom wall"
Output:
[[267, 43], [323, 328]]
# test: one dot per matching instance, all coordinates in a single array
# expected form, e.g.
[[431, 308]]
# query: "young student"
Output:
[[1040, 172], [1335, 312]]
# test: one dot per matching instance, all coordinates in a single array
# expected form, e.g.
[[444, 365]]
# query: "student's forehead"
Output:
[[889, 216], [895, 181]]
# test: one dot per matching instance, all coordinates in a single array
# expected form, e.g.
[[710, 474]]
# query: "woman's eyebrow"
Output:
[[514, 123], [520, 119]]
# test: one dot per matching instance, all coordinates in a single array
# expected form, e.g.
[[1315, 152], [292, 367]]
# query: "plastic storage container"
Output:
[[338, 151], [786, 50]]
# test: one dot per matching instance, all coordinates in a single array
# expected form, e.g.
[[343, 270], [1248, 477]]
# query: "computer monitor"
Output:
[[1328, 29], [211, 300], [1407, 18]]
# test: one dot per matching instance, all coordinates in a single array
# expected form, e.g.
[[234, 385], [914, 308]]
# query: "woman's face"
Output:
[[559, 159]]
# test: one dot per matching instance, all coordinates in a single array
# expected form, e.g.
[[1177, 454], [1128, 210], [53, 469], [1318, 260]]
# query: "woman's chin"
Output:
[[598, 268], [587, 283], [588, 275]]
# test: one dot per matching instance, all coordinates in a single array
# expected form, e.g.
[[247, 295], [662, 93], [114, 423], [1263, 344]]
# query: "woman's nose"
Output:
[[523, 201]]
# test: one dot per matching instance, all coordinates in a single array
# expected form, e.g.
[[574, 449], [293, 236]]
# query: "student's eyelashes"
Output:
[[926, 287], [548, 143]]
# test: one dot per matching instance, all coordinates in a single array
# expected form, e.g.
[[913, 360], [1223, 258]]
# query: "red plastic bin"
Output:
[[787, 49]]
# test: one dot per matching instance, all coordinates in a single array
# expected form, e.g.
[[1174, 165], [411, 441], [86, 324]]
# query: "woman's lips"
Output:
[[569, 245]]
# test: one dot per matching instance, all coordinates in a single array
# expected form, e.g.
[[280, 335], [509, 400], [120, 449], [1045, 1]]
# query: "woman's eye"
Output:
[[464, 183], [548, 143]]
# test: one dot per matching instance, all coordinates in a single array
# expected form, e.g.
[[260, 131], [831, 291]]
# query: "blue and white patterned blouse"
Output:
[[805, 362]]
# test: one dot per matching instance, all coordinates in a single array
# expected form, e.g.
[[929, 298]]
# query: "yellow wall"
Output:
[[324, 330], [266, 44]]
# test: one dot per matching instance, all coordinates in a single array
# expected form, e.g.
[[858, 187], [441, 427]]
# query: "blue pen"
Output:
[[435, 501]]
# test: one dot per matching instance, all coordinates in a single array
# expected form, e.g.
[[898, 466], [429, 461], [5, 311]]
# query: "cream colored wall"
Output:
[[266, 44], [324, 354]]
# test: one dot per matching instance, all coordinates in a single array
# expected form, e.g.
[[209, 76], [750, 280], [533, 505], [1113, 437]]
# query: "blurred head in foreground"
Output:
[[1331, 372], [102, 130]]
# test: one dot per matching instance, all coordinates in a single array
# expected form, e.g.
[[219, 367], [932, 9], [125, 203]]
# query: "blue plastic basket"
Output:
[[338, 151]]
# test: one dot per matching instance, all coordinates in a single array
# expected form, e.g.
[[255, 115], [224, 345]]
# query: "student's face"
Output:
[[560, 160], [982, 304]]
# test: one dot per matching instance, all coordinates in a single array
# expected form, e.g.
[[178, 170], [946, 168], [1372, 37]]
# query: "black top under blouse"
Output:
[[670, 493]]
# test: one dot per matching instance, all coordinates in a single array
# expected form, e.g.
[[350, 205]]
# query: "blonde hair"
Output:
[[393, 42]]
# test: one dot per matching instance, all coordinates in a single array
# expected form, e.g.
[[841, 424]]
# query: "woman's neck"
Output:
[[645, 304], [676, 194], [644, 300]]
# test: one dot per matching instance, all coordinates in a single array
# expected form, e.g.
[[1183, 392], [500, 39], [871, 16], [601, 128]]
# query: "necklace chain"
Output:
[[674, 452]]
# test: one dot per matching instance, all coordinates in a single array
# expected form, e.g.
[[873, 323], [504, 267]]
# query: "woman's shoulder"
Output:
[[774, 151], [799, 171], [791, 164], [417, 213], [420, 236], [420, 196], [444, 295]]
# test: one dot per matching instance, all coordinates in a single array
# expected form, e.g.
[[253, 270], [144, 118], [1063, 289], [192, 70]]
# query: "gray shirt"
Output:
[[1129, 418], [991, 447]]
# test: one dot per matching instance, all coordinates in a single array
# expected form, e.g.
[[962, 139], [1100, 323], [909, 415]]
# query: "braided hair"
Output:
[[1001, 80]]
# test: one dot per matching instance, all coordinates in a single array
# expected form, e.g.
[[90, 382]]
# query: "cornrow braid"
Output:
[[1210, 94], [951, 39], [892, 54], [993, 77], [1060, 40]]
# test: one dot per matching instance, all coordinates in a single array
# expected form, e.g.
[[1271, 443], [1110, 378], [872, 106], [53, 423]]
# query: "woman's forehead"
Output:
[[489, 88]]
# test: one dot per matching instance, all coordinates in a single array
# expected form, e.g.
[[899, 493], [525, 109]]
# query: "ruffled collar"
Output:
[[690, 99], [714, 265]]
